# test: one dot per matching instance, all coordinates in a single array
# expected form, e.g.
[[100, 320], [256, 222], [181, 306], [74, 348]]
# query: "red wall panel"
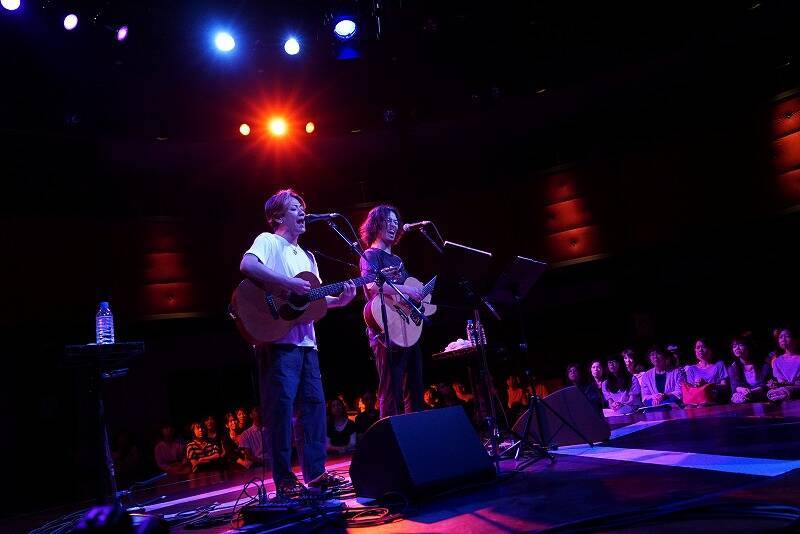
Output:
[[787, 152], [786, 117]]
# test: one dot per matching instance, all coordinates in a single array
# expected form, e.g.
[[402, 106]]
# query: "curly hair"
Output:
[[375, 220]]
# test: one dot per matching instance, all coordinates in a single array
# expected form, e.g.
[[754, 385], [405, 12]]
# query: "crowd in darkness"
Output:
[[620, 384], [738, 374]]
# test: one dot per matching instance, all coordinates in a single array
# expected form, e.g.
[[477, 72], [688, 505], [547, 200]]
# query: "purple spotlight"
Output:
[[122, 33], [70, 22]]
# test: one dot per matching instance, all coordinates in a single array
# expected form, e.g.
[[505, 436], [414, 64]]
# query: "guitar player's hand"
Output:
[[348, 294], [298, 286], [414, 293]]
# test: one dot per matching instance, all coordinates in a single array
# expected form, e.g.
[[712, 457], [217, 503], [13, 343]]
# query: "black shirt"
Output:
[[340, 438], [382, 259]]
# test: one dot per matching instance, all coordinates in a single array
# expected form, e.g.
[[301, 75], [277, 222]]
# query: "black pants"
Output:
[[400, 385]]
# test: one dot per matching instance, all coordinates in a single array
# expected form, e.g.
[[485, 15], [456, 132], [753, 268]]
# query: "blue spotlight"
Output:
[[292, 46], [224, 42], [11, 5], [345, 29]]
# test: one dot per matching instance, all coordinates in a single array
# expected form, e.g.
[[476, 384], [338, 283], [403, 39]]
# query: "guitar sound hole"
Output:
[[297, 301]]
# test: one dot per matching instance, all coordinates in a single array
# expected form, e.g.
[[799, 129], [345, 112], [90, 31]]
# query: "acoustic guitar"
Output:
[[265, 313], [405, 325]]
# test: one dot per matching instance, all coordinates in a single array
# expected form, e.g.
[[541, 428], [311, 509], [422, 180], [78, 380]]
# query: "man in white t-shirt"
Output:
[[289, 367]]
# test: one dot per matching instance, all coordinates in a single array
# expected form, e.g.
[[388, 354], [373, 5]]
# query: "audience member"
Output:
[[212, 435], [675, 359], [597, 372], [620, 389], [431, 398], [785, 369], [341, 430], [748, 374], [462, 393], [242, 423], [169, 452], [631, 364], [659, 384], [517, 397], [576, 378], [708, 374], [251, 441], [368, 413], [231, 452], [447, 395], [201, 453]]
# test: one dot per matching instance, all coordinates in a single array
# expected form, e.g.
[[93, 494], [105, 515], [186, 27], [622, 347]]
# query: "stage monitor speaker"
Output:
[[419, 455], [575, 408]]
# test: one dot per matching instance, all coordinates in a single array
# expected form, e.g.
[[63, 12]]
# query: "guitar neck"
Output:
[[428, 288], [338, 287]]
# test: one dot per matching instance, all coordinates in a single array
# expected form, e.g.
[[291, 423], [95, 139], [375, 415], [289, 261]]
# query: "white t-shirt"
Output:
[[278, 254], [712, 374]]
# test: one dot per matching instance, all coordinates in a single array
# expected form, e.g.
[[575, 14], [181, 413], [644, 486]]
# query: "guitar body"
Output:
[[404, 329], [266, 314]]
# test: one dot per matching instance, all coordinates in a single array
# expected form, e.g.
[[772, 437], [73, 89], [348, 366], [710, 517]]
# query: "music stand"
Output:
[[511, 288], [461, 283]]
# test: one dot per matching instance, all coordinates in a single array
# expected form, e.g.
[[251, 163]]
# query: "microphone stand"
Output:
[[380, 279], [436, 245]]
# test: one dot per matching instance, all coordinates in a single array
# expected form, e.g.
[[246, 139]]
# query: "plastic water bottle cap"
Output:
[[104, 304]]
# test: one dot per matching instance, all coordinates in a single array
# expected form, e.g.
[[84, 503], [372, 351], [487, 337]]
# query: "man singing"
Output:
[[400, 385], [289, 367]]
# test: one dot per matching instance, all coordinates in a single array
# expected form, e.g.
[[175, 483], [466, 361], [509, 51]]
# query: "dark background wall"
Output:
[[662, 188]]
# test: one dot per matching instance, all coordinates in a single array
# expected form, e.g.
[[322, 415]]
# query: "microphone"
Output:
[[314, 217], [413, 226]]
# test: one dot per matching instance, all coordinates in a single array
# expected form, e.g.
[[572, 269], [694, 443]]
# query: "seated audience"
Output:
[[706, 372], [675, 359], [431, 398], [631, 364], [597, 372], [368, 413], [748, 374], [251, 441], [201, 453], [462, 393], [447, 395], [242, 423], [620, 389], [127, 459], [231, 452], [660, 385], [785, 369], [212, 435], [341, 430], [517, 397], [169, 453], [576, 378]]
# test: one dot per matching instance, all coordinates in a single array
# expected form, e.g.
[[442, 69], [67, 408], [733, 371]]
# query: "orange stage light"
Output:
[[277, 126], [244, 129], [310, 127]]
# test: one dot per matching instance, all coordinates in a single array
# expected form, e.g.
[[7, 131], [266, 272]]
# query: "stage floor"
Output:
[[733, 455]]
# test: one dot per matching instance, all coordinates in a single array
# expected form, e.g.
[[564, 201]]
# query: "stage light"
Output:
[[345, 29], [11, 5], [277, 127], [224, 42], [122, 33], [244, 129], [70, 22], [292, 46], [310, 127]]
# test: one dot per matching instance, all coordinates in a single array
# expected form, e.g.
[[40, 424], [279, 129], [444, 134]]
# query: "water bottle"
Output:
[[481, 334], [471, 332], [104, 325]]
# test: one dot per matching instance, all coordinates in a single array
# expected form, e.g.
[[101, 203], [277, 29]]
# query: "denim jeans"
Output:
[[400, 384], [289, 380]]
